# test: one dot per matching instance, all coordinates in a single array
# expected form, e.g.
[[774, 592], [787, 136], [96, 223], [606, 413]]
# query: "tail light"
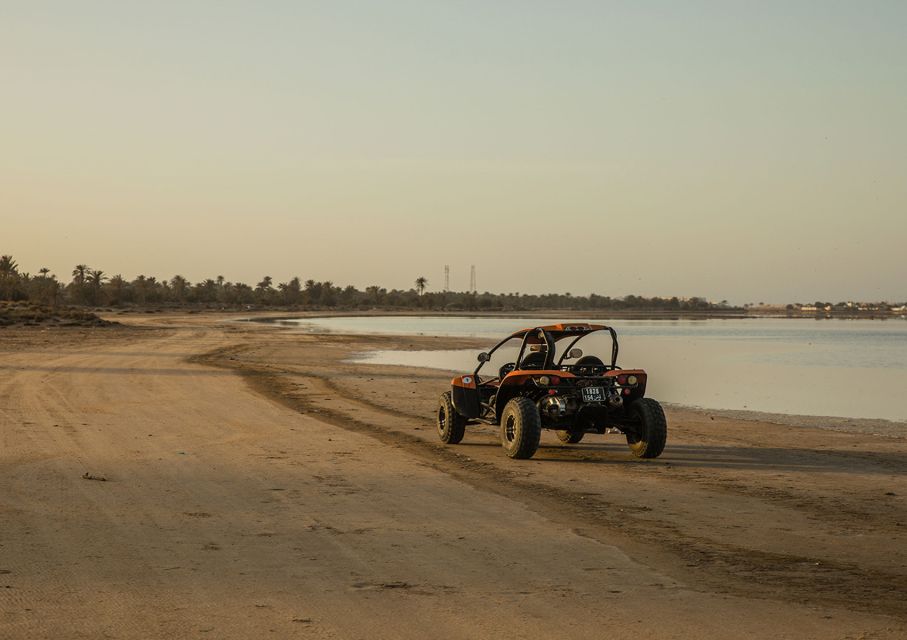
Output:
[[621, 379]]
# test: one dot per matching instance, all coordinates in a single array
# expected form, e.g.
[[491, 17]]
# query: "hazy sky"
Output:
[[742, 150]]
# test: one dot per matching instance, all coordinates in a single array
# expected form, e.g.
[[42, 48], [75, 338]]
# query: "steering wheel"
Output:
[[507, 368]]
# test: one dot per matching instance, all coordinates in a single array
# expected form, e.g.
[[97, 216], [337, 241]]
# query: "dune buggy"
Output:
[[539, 390]]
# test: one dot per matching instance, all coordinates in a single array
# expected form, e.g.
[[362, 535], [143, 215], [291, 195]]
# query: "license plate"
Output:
[[593, 394]]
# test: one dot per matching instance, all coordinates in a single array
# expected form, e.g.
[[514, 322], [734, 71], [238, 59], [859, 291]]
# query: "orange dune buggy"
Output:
[[539, 391]]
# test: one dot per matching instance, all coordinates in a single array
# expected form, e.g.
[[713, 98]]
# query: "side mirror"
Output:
[[574, 353], [484, 357]]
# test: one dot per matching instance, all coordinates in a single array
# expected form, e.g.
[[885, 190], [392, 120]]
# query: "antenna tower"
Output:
[[446, 277], [472, 278]]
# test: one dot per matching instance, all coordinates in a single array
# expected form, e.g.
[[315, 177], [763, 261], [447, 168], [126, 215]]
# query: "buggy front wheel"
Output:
[[451, 425], [521, 428], [649, 432]]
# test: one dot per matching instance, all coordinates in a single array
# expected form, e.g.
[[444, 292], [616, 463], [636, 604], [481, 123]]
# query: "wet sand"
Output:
[[256, 484]]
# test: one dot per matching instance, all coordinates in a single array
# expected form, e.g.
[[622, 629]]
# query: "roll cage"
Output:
[[549, 336]]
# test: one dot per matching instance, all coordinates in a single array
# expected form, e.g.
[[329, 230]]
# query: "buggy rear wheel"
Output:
[[451, 425], [521, 428], [649, 433], [569, 437]]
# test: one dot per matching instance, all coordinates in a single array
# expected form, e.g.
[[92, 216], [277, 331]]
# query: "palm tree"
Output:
[[374, 292], [348, 295], [206, 291], [78, 292], [264, 289], [140, 286], [43, 271], [179, 285], [327, 294], [153, 289], [291, 291], [312, 291], [79, 274], [265, 284], [96, 278], [421, 283], [8, 265], [9, 277], [117, 286]]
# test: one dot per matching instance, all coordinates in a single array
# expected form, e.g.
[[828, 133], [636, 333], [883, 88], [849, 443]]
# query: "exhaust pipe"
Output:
[[553, 406]]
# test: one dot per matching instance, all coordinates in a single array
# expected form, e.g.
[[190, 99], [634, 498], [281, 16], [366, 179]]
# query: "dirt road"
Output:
[[255, 485]]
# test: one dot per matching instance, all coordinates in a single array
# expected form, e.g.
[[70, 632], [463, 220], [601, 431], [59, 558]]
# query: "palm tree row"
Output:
[[94, 288]]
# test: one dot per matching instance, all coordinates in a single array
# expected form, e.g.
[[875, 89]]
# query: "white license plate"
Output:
[[593, 394]]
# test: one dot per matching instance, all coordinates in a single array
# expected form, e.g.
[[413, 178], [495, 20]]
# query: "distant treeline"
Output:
[[94, 288]]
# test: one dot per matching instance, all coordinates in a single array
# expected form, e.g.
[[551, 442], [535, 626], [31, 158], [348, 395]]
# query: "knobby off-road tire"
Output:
[[521, 428], [451, 425], [569, 437], [651, 431]]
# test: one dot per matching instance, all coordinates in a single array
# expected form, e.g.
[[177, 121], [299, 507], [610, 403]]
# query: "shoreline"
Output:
[[870, 426], [880, 427], [552, 314]]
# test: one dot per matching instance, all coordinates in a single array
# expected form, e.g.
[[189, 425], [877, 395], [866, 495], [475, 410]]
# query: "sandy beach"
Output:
[[192, 476]]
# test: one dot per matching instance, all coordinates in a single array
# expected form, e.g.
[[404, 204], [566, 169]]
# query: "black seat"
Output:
[[534, 360], [587, 365]]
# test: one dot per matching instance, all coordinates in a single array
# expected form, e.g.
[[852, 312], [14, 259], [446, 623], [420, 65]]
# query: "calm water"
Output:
[[848, 368]]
